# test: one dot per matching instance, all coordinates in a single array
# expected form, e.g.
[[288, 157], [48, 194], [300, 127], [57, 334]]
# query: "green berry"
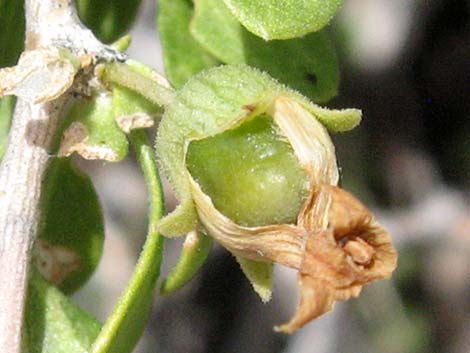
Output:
[[251, 173]]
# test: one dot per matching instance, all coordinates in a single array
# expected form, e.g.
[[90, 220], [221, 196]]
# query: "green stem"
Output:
[[146, 158], [126, 324], [125, 76], [196, 248]]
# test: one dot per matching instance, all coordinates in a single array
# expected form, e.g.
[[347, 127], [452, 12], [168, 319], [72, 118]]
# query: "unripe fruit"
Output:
[[251, 173], [253, 165]]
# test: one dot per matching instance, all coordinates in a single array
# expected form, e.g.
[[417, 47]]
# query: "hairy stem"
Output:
[[49, 23]]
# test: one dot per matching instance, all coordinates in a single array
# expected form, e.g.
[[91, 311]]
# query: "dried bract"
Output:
[[41, 75]]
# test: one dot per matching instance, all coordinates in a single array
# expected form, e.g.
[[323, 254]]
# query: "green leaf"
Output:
[[275, 19], [336, 120], [108, 19], [182, 55], [92, 131], [218, 31], [196, 248], [72, 224], [53, 323], [308, 64], [122, 43], [260, 274], [181, 221], [12, 31], [6, 110], [128, 320], [128, 102]]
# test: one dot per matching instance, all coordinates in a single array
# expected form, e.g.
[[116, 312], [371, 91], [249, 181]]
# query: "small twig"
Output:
[[49, 24]]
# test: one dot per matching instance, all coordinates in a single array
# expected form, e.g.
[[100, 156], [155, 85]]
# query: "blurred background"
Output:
[[406, 64]]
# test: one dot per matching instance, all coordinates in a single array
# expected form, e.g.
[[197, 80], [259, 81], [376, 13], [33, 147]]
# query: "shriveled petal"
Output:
[[353, 250], [316, 299]]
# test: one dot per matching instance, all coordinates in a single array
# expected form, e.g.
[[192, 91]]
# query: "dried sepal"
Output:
[[41, 75], [309, 140], [139, 120], [350, 252], [281, 243], [75, 139]]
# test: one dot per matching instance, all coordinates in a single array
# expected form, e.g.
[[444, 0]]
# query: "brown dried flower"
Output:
[[352, 250], [336, 245]]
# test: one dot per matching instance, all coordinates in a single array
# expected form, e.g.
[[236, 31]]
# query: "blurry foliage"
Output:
[[12, 31], [109, 20]]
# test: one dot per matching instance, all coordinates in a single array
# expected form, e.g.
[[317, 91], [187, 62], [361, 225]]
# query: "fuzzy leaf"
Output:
[[181, 221], [72, 230], [218, 31], [53, 323], [274, 19], [336, 120], [108, 19], [308, 64], [260, 274], [12, 32], [182, 55]]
